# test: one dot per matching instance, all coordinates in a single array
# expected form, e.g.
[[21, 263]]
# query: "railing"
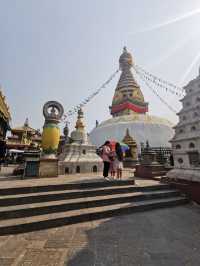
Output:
[[162, 153]]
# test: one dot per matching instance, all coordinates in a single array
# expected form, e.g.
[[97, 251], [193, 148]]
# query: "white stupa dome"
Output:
[[142, 127]]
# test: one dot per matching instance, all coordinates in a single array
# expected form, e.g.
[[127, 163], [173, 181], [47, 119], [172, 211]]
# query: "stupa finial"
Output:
[[79, 123], [80, 113], [127, 131], [125, 60], [26, 123]]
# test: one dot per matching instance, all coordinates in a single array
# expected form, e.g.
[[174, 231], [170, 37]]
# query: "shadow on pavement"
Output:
[[160, 237]]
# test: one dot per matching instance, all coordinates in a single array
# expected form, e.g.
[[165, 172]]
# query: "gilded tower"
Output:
[[5, 117], [128, 97]]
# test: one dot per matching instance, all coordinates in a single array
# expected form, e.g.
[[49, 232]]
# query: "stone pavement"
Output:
[[169, 237], [9, 181]]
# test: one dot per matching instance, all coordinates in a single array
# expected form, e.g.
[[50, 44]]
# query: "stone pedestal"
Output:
[[150, 170], [129, 162], [48, 167], [32, 162], [149, 167], [186, 180]]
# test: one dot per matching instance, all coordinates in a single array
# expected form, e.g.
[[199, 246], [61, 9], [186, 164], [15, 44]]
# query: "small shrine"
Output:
[[149, 167], [24, 138], [131, 156], [78, 155]]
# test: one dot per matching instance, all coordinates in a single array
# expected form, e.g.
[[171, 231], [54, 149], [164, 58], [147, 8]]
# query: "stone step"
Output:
[[35, 223], [159, 173], [29, 210], [21, 199], [63, 187]]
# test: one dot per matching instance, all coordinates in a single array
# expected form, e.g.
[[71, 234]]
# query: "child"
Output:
[[119, 160], [112, 158]]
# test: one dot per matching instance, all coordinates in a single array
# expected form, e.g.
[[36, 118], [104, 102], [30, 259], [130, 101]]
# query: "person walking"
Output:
[[119, 160], [105, 157]]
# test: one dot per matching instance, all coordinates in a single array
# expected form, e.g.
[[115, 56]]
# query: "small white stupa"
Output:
[[78, 154]]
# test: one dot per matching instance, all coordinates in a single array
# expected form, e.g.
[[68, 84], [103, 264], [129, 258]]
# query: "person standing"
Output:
[[112, 158], [119, 160], [105, 157]]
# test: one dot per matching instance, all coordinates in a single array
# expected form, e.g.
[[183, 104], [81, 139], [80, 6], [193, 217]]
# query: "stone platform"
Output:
[[17, 182], [162, 237], [159, 237]]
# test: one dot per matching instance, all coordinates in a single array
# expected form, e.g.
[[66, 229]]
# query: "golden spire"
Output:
[[128, 97], [79, 123], [128, 139]]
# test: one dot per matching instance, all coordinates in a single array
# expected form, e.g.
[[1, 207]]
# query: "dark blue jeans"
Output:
[[106, 168]]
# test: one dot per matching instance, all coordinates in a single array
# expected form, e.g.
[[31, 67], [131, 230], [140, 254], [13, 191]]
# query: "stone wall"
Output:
[[84, 167]]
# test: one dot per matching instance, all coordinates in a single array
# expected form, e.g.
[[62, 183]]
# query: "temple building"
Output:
[[24, 138], [5, 118], [78, 155], [129, 110], [186, 141]]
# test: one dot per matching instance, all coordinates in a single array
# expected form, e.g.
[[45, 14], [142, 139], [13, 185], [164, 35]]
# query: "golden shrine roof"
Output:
[[4, 109], [128, 139], [24, 128]]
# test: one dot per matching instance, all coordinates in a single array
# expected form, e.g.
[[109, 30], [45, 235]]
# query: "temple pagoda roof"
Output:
[[4, 109], [24, 128]]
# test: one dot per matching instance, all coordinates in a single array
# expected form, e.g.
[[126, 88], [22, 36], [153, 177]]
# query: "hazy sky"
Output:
[[63, 50]]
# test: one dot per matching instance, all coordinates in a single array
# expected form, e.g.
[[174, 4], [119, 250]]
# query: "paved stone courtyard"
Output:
[[169, 237], [159, 237]]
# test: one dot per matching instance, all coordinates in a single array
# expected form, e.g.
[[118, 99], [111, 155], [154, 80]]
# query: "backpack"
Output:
[[100, 151]]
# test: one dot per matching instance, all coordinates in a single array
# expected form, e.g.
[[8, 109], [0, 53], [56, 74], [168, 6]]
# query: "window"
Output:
[[198, 99], [66, 170], [191, 145], [94, 169], [184, 118], [180, 160], [181, 131], [78, 169], [178, 146], [195, 114], [84, 151], [193, 128], [194, 158]]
